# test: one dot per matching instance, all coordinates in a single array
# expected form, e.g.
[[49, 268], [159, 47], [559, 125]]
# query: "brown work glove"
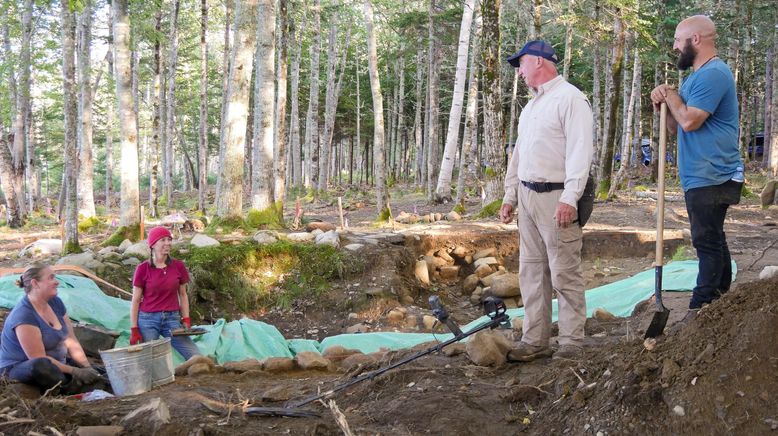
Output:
[[85, 376]]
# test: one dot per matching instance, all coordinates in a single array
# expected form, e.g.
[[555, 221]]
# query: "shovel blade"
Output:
[[658, 323]]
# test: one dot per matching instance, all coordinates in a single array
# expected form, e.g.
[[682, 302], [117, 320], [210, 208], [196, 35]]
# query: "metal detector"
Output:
[[494, 308]]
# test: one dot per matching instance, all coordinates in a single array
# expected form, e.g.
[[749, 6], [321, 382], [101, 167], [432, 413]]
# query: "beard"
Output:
[[687, 56]]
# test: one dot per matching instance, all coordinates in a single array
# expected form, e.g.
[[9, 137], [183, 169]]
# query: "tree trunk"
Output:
[[568, 40], [6, 184], [294, 116], [170, 113], [281, 151], [229, 201], [312, 123], [202, 149], [774, 108], [378, 111], [768, 103], [70, 243], [466, 158], [359, 115], [433, 93], [418, 144], [494, 138], [31, 169], [109, 114], [130, 206], [512, 124], [537, 20], [628, 122], [746, 82], [334, 63], [228, 8], [606, 158], [86, 199], [264, 101], [157, 122], [401, 134], [22, 107], [443, 189], [596, 97]]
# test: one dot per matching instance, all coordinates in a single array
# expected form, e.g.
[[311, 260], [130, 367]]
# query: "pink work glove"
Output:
[[187, 322], [135, 336]]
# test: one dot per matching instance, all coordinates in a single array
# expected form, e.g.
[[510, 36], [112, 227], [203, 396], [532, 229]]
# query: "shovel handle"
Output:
[[660, 206]]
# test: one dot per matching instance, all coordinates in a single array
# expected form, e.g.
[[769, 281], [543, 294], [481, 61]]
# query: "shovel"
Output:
[[659, 321]]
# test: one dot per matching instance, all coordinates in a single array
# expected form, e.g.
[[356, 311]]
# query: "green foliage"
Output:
[[684, 252], [71, 247], [383, 216], [39, 219], [251, 276], [640, 188], [270, 218], [747, 193], [490, 210], [227, 225], [91, 225], [124, 232], [460, 209]]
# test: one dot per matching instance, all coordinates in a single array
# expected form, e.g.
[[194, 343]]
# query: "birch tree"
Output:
[[494, 138], [170, 101], [130, 200], [619, 177], [70, 243], [443, 189], [379, 162], [109, 115], [418, 144], [22, 107], [202, 149], [470, 135], [264, 98], [433, 109], [613, 95], [335, 62], [229, 199], [86, 199], [158, 117], [312, 118], [280, 151], [294, 115]]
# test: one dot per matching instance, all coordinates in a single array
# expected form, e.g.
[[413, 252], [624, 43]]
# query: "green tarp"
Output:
[[246, 338]]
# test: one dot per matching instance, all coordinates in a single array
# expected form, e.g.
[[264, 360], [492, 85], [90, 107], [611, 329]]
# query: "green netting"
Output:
[[246, 338]]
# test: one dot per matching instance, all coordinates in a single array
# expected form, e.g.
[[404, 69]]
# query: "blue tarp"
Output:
[[247, 338]]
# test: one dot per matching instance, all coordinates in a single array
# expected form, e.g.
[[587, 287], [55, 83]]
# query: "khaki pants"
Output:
[[549, 258]]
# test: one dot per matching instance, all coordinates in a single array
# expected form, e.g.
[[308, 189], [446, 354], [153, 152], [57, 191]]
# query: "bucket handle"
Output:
[[134, 348]]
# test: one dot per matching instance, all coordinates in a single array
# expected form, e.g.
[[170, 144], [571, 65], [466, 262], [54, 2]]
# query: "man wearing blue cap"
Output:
[[545, 179]]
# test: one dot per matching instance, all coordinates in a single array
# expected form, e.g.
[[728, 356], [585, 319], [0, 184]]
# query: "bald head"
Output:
[[695, 40]]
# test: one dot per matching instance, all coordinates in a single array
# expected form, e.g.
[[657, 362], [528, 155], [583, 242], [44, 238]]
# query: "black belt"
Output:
[[543, 186]]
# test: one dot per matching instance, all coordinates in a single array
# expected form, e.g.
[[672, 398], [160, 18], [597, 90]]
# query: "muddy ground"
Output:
[[716, 375]]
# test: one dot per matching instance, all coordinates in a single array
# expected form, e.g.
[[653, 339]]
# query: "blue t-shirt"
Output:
[[709, 155], [11, 351]]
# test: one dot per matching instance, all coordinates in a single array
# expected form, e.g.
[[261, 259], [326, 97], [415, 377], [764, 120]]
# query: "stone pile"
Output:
[[412, 218]]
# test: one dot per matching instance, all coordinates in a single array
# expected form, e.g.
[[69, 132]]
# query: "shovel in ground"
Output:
[[659, 321]]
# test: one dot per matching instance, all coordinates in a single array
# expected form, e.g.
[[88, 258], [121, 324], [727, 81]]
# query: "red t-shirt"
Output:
[[160, 285]]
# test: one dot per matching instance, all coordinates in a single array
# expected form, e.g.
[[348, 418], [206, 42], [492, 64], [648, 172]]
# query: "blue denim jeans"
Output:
[[152, 325], [43, 374], [707, 208]]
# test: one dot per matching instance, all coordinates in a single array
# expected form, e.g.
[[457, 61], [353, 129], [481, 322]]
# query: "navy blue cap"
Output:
[[536, 48]]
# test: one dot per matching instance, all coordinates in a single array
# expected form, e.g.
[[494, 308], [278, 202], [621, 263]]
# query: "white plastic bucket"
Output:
[[129, 369], [161, 362]]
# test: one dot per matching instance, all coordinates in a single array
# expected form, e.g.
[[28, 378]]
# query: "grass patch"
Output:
[[490, 210], [227, 225], [91, 225], [684, 252], [746, 192], [270, 218], [250, 276], [383, 216], [460, 208], [124, 232], [38, 219]]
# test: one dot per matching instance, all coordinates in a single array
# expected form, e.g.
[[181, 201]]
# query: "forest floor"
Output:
[[716, 375]]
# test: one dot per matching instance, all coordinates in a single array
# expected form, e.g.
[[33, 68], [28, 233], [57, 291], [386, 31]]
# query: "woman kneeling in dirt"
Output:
[[159, 300], [38, 345]]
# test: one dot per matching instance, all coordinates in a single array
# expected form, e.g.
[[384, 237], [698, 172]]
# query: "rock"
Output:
[[455, 349], [264, 237], [678, 410], [278, 364], [459, 252], [506, 285], [470, 283], [449, 273], [351, 362], [337, 353], [649, 344], [300, 237], [475, 297], [468, 259], [510, 303], [94, 338], [99, 430], [320, 225], [430, 322], [767, 196], [131, 261], [105, 250], [487, 252], [768, 272], [486, 260], [489, 280], [111, 256], [669, 370], [194, 225], [243, 365], [317, 232], [197, 369], [201, 240], [603, 315], [309, 360], [453, 216], [395, 316], [42, 247], [183, 369], [354, 247], [357, 328], [276, 394], [407, 300], [410, 322], [329, 238], [488, 348], [434, 262], [84, 260], [421, 271], [149, 417], [445, 256], [125, 245], [483, 270], [517, 324], [772, 423], [139, 249]]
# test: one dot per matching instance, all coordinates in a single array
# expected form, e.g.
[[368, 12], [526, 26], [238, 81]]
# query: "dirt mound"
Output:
[[716, 375]]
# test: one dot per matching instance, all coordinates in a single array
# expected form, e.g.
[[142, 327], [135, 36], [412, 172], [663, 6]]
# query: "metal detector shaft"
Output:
[[494, 322]]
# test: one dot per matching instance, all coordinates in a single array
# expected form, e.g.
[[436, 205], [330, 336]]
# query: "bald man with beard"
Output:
[[704, 114]]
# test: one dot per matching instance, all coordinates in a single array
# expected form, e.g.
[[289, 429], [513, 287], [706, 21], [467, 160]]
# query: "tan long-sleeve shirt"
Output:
[[554, 142]]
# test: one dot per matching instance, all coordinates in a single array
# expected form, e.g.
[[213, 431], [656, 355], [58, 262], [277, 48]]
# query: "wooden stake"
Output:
[[340, 210], [142, 224]]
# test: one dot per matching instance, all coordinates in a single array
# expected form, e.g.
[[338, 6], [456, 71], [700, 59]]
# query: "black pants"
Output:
[[44, 375], [707, 207]]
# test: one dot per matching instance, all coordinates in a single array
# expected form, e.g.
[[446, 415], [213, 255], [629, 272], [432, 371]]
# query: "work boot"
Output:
[[527, 353], [689, 317], [568, 351]]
